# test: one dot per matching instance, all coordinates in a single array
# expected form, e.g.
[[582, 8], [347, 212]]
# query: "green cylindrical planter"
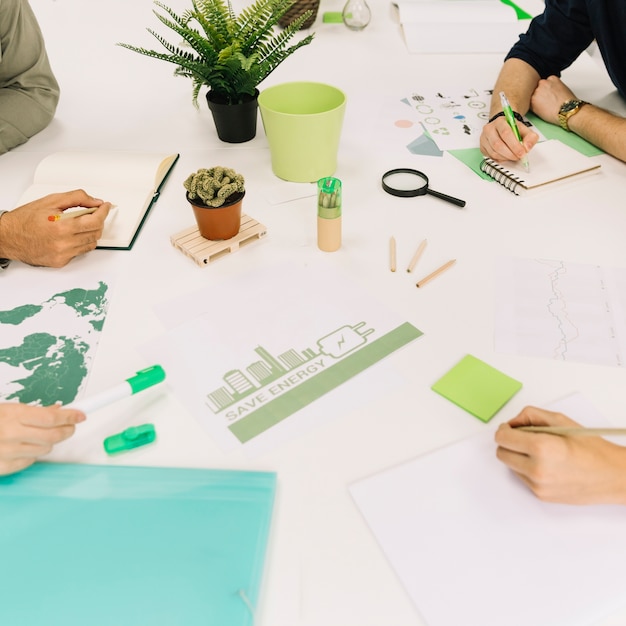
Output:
[[303, 122]]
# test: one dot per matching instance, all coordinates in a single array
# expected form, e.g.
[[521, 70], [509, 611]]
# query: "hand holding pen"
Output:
[[562, 465], [504, 139], [28, 235]]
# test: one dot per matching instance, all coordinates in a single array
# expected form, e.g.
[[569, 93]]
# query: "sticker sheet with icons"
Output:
[[452, 117]]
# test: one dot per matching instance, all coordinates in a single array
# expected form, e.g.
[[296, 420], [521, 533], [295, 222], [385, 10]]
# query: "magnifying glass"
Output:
[[405, 182]]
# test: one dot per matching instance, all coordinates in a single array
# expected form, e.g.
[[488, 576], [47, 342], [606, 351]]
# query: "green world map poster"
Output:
[[47, 346]]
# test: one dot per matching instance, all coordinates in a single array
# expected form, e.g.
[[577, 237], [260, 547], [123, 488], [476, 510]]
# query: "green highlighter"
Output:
[[477, 387]]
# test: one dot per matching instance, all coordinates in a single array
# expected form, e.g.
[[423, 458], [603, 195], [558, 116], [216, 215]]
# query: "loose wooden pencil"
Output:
[[416, 256], [392, 254], [437, 272]]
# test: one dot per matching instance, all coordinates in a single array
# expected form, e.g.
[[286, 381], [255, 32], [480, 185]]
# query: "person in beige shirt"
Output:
[[29, 93]]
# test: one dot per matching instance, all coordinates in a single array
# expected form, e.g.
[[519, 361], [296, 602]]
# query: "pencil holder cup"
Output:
[[303, 122]]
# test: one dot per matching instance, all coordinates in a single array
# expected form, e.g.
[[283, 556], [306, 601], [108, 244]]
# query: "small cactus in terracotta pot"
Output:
[[215, 195]]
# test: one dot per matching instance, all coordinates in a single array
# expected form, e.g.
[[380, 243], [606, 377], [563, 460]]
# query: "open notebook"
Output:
[[127, 546], [131, 181], [551, 161]]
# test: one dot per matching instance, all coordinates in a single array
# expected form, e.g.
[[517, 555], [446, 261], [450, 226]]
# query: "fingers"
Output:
[[46, 426], [50, 417], [14, 465], [509, 436], [70, 199], [28, 432], [499, 142], [534, 416]]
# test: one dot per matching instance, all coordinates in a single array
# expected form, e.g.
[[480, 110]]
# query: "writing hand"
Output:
[[498, 141], [571, 470], [29, 432], [27, 235]]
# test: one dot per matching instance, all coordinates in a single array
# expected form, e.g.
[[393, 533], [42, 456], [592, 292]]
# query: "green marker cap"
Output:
[[132, 437], [329, 198], [146, 378]]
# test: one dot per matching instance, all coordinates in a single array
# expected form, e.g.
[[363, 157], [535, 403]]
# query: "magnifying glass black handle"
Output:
[[443, 196]]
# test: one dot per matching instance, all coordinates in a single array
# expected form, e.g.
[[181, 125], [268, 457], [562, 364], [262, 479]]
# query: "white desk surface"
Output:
[[324, 566]]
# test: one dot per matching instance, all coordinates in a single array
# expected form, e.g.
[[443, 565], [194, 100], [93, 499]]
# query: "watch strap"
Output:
[[569, 108]]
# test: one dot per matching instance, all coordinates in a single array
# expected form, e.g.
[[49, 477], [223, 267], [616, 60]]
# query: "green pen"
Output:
[[510, 118]]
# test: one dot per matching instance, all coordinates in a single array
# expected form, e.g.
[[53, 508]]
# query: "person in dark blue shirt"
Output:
[[530, 77]]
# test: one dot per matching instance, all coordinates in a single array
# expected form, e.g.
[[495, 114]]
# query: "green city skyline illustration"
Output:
[[259, 374]]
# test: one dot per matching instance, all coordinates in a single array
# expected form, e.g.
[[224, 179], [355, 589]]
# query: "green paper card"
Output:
[[477, 387]]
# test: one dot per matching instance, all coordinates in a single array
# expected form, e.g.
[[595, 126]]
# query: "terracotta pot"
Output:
[[216, 223]]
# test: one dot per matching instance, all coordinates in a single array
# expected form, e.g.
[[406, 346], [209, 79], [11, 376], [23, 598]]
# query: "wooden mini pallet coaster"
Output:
[[204, 251]]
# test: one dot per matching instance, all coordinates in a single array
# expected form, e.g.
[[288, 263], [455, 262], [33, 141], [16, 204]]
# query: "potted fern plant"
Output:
[[216, 195], [228, 53]]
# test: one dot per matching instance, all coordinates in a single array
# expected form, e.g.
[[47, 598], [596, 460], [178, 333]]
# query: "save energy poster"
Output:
[[303, 347]]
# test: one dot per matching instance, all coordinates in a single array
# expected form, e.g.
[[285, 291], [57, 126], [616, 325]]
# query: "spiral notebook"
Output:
[[551, 161]]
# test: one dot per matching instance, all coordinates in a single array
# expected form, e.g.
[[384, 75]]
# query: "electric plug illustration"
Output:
[[344, 340]]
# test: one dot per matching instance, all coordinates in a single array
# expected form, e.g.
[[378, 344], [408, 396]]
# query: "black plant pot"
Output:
[[235, 123]]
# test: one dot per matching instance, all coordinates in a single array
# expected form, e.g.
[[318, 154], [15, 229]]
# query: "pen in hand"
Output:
[[72, 213], [510, 118], [573, 430]]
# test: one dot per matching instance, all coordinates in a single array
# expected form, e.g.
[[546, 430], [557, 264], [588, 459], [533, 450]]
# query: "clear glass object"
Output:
[[356, 14]]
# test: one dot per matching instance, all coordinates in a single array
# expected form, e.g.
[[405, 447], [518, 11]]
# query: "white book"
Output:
[[129, 180]]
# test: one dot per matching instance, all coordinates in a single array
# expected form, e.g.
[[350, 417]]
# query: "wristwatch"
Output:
[[4, 263], [568, 109]]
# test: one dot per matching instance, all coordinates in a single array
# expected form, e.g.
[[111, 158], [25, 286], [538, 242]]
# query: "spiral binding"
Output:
[[501, 175]]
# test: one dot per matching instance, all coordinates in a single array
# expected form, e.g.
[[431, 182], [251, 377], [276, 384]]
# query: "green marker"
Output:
[[510, 118], [141, 380]]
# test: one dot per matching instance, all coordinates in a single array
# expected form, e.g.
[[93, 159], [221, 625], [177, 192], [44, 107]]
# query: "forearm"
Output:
[[23, 114], [518, 80], [601, 128]]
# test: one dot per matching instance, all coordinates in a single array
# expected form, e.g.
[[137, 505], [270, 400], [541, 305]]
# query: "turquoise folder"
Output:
[[126, 546]]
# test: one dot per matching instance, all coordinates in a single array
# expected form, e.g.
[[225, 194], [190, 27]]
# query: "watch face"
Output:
[[570, 105]]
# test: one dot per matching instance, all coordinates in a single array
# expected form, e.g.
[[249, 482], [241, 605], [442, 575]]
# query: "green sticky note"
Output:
[[332, 17], [477, 387]]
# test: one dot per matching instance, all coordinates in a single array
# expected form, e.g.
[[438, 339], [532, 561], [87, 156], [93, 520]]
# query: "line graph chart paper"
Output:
[[560, 310]]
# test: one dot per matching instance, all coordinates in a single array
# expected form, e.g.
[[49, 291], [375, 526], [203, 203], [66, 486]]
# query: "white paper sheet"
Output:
[[304, 342], [561, 310], [472, 545]]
